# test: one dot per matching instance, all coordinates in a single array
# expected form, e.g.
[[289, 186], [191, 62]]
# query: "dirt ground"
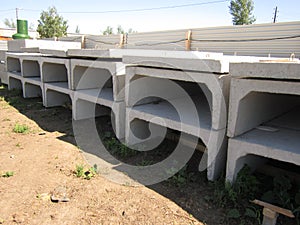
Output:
[[44, 160]]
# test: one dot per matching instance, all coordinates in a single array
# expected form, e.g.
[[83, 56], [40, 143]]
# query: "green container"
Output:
[[22, 30]]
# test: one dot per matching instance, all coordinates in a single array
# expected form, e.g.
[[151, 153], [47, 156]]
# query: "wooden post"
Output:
[[188, 40], [271, 212], [122, 40], [83, 41]]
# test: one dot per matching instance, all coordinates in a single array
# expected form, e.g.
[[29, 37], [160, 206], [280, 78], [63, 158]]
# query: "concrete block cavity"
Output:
[[31, 68], [55, 70], [264, 113], [254, 102], [13, 65], [193, 103], [32, 90], [98, 74], [14, 83]]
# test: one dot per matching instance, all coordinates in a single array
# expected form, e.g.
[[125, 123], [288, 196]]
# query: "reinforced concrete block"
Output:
[[254, 102], [92, 103], [95, 74], [33, 87], [255, 147], [3, 74], [14, 81], [190, 102], [263, 115], [55, 70], [31, 66], [267, 69], [57, 94], [120, 53]]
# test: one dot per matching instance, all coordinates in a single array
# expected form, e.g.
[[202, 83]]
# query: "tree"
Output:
[[108, 31], [9, 23], [51, 24], [241, 11], [77, 31]]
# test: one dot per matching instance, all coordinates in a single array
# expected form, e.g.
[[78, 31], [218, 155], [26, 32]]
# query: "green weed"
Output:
[[8, 174], [21, 128]]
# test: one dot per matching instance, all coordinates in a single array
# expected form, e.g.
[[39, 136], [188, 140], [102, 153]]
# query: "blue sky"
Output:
[[166, 19]]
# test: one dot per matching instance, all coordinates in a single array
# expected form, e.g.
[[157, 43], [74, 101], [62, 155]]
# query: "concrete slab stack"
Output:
[[188, 95], [263, 114], [98, 85]]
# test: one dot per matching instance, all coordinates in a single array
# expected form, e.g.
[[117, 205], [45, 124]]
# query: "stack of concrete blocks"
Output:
[[264, 114], [56, 76], [23, 73], [3, 75], [31, 71], [98, 84], [204, 80]]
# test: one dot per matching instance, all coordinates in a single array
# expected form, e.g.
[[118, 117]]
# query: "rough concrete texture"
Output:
[[94, 102], [253, 102], [256, 146], [57, 94], [3, 74], [17, 45], [54, 52], [280, 69], [93, 74], [33, 87], [55, 70], [194, 103], [215, 88], [15, 81], [120, 53]]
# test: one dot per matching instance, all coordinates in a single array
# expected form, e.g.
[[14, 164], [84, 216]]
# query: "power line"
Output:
[[139, 10]]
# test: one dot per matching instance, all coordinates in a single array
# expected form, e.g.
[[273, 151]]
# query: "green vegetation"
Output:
[[241, 11], [51, 24], [87, 174], [21, 128], [7, 174]]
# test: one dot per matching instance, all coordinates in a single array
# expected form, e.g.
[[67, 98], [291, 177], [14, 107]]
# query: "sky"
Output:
[[204, 15]]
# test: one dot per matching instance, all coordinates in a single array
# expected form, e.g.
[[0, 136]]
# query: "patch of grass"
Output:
[[18, 145], [181, 178], [87, 174], [7, 174], [21, 128]]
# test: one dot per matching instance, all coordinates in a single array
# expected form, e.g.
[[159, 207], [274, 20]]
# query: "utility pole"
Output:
[[17, 13], [275, 15]]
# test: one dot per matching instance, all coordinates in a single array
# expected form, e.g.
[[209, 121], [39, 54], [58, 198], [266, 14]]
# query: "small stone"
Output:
[[12, 156]]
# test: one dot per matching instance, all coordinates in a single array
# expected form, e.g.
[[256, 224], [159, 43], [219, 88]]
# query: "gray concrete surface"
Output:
[[253, 102], [280, 69], [55, 70], [91, 103], [92, 74], [57, 94], [33, 87], [256, 146], [206, 92]]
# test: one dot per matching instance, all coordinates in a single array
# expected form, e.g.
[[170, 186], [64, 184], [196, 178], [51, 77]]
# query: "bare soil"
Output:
[[44, 160]]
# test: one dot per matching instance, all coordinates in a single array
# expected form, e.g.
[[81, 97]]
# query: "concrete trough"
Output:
[[91, 103], [57, 94], [192, 102], [96, 74], [33, 87], [263, 122], [15, 81], [55, 70]]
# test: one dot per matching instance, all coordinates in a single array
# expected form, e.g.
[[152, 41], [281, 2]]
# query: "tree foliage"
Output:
[[9, 23], [241, 11], [51, 24], [109, 30], [77, 30]]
